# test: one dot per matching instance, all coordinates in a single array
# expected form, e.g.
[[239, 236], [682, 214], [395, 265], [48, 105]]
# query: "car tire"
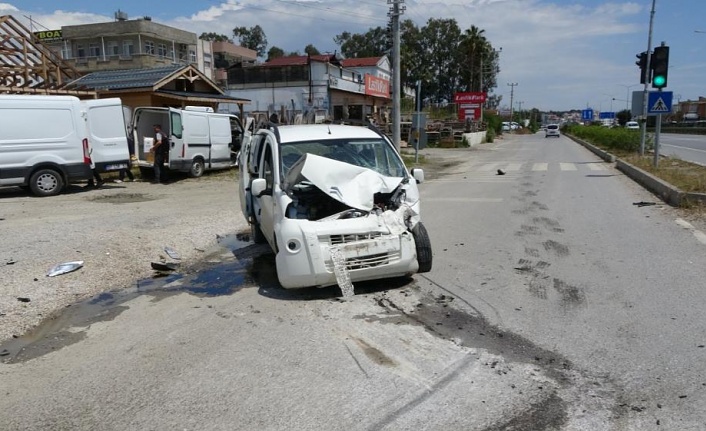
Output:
[[256, 233], [423, 245], [46, 182], [197, 168]]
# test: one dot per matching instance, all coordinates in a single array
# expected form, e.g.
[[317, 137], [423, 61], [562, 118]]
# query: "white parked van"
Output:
[[46, 142], [199, 139]]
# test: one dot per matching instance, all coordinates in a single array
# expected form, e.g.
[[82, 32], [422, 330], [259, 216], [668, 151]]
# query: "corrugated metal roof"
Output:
[[125, 78], [202, 97]]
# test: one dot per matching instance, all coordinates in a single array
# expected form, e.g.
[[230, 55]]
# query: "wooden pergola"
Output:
[[27, 66]]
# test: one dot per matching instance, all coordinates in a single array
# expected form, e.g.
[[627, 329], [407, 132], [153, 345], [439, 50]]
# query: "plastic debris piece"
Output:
[[172, 253], [64, 268], [644, 204], [343, 278], [501, 172], [164, 266], [21, 299]]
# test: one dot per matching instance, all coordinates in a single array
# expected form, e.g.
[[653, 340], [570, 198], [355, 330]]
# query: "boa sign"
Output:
[[469, 105]]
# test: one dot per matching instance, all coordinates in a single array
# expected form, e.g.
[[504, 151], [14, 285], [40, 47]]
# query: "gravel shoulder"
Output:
[[117, 231]]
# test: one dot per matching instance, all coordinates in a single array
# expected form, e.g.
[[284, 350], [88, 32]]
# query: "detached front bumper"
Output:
[[370, 251]]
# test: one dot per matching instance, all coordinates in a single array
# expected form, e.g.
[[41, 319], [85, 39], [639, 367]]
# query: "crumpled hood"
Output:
[[351, 185]]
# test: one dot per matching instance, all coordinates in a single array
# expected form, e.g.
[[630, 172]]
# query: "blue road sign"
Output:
[[606, 115], [659, 102], [587, 114]]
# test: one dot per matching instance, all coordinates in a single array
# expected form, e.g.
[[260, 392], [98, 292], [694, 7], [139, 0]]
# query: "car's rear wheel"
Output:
[[197, 168], [46, 182], [423, 245]]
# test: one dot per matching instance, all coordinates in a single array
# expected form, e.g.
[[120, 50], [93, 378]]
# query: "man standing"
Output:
[[160, 149]]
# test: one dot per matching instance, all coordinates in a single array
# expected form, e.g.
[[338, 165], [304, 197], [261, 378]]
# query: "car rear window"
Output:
[[553, 127]]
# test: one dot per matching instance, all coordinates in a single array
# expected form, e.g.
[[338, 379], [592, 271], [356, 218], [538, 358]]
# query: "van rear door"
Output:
[[107, 134]]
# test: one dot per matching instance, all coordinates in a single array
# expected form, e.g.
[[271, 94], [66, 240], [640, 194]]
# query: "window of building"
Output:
[[192, 56], [162, 50], [112, 48], [149, 47], [94, 50], [80, 51], [128, 48]]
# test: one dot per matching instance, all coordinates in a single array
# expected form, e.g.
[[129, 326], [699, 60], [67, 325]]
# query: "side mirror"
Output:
[[418, 174], [259, 187]]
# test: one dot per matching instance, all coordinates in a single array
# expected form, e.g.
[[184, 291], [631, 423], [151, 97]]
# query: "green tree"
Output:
[[275, 52], [214, 37], [374, 43], [311, 50], [624, 116], [252, 38], [439, 42]]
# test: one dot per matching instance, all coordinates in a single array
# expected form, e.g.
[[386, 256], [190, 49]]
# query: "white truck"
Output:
[[199, 139], [46, 142]]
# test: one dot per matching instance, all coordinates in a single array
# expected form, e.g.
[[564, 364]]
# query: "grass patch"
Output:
[[686, 176], [409, 159]]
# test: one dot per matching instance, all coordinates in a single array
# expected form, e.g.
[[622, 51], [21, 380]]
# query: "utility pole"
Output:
[[394, 14], [648, 73], [512, 96], [495, 52]]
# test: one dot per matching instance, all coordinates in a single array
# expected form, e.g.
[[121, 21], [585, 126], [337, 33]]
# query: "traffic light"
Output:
[[660, 66], [642, 64]]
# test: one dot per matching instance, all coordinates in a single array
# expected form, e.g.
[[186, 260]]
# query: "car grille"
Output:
[[369, 261], [349, 238]]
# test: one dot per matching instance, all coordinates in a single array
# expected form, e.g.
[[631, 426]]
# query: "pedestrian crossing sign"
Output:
[[659, 102]]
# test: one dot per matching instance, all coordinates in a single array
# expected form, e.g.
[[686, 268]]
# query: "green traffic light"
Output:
[[659, 80]]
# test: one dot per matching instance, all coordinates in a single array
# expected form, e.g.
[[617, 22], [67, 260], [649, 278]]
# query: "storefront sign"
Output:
[[48, 36], [469, 110], [469, 97], [377, 87]]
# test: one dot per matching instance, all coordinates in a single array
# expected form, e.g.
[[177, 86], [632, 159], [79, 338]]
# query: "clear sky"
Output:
[[563, 54]]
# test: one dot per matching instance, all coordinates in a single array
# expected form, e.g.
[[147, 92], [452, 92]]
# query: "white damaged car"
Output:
[[335, 203]]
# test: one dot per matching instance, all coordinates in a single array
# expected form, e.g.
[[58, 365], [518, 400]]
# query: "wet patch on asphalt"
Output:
[[123, 198], [250, 265]]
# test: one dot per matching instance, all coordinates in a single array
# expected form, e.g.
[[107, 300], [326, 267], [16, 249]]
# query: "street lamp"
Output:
[[627, 93]]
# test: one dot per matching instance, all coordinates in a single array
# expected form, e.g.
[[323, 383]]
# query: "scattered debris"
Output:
[[164, 266], [501, 172], [172, 253], [644, 204], [11, 262], [64, 268], [4, 352], [22, 299]]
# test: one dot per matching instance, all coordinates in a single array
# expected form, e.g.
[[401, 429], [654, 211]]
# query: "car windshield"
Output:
[[371, 153]]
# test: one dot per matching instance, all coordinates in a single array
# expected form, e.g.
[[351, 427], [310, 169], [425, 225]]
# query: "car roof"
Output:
[[306, 132]]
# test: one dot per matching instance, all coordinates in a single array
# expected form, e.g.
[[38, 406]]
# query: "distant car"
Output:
[[552, 130], [632, 125]]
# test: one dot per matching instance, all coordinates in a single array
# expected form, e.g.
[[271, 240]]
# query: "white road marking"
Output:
[[567, 166], [596, 167], [683, 148], [700, 236], [540, 166], [513, 167], [488, 167]]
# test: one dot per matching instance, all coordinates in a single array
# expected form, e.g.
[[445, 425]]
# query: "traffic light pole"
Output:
[[645, 92]]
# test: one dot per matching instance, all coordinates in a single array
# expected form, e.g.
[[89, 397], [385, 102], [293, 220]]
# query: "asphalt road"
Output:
[[691, 148], [554, 303]]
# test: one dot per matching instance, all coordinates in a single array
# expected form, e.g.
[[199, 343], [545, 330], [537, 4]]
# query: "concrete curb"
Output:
[[664, 190]]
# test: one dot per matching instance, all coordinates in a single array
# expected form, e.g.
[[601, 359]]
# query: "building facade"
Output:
[[127, 44], [315, 88]]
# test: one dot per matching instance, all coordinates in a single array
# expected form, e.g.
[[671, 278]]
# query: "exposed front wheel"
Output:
[[46, 182], [423, 245], [197, 168]]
